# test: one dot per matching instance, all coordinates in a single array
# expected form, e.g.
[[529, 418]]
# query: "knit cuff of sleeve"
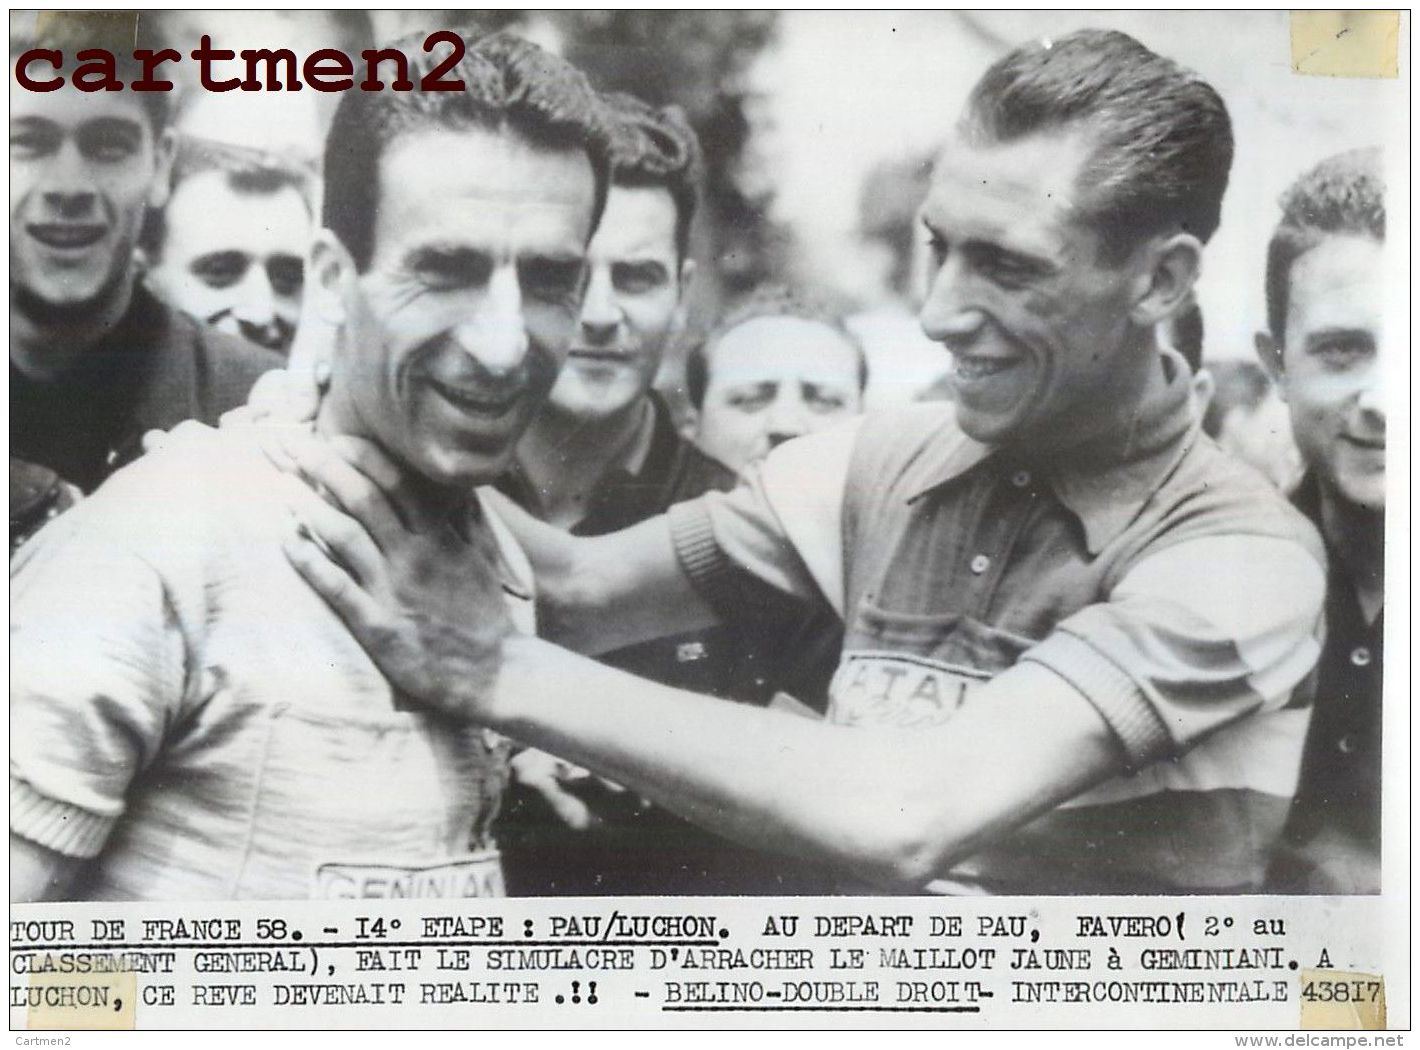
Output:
[[56, 825], [699, 553], [1117, 697]]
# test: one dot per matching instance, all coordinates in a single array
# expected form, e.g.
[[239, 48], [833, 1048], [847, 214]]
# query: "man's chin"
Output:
[[61, 305], [592, 405], [1367, 493], [1356, 474], [464, 471], [987, 427]]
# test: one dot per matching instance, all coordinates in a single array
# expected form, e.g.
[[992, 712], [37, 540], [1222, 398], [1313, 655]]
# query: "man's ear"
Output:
[[683, 279], [332, 278], [329, 284], [164, 152], [1269, 355], [686, 275], [690, 428], [1171, 267], [1204, 387]]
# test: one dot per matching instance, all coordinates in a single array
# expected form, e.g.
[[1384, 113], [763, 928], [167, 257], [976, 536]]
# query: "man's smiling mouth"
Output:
[[1371, 444], [600, 355], [476, 401], [67, 236], [973, 366]]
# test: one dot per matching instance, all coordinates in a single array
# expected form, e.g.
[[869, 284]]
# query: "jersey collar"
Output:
[[1106, 484]]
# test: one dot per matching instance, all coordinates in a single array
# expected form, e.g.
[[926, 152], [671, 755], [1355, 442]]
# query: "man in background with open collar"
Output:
[[1325, 302]]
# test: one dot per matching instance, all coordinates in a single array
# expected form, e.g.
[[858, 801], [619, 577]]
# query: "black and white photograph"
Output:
[[753, 485]]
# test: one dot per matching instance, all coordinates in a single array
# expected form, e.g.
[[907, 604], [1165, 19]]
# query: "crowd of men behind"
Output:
[[155, 277]]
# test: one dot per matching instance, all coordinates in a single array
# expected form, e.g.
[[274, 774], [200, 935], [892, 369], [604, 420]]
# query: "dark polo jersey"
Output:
[[156, 368], [771, 647], [776, 645], [1171, 588], [1334, 832]]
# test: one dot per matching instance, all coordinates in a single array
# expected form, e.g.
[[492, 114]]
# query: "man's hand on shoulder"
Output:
[[281, 400], [421, 593], [283, 395], [293, 394]]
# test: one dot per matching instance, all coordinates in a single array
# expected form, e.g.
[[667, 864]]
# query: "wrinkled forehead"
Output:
[[206, 212], [782, 349], [977, 181], [638, 222], [488, 189], [1338, 283]]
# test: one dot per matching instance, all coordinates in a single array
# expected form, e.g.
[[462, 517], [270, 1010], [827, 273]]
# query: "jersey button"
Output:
[[1020, 479], [1346, 744], [980, 564], [1360, 656]]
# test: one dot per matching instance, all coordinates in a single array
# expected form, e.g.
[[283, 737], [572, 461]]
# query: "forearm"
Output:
[[752, 775], [891, 806], [597, 594]]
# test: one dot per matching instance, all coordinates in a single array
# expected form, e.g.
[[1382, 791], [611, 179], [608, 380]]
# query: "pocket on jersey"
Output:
[[398, 789], [913, 670], [951, 639]]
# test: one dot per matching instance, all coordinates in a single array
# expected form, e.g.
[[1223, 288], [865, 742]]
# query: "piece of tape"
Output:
[[1346, 43], [80, 1001], [1337, 1000], [115, 31]]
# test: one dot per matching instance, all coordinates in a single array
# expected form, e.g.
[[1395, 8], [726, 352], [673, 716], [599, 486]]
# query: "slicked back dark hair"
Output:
[[653, 147], [1343, 195], [509, 83], [1163, 143]]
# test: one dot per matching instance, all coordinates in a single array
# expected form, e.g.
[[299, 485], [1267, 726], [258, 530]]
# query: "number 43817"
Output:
[[1341, 991]]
